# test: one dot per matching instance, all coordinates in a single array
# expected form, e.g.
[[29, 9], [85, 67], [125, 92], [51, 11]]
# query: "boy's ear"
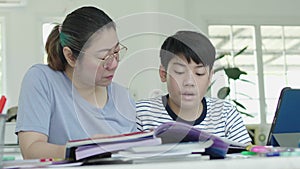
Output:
[[69, 56], [162, 74], [211, 73]]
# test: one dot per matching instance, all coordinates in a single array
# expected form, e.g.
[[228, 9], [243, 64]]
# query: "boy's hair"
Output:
[[193, 45]]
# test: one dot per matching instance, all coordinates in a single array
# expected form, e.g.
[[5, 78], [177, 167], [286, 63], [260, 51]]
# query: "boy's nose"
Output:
[[189, 80]]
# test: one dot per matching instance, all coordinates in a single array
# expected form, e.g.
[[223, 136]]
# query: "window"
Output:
[[281, 62], [2, 57], [231, 39], [278, 49], [47, 28]]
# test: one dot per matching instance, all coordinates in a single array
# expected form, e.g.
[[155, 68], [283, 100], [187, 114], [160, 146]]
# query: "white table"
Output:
[[249, 163]]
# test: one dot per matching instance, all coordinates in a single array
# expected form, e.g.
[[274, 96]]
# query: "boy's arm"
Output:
[[34, 145], [139, 123]]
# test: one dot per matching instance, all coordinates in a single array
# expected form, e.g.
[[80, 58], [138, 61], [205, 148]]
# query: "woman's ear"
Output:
[[162, 74], [69, 56]]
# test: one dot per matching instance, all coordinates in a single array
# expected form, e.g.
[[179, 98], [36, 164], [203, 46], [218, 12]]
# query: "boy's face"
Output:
[[187, 83]]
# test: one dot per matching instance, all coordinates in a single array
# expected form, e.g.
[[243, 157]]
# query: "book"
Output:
[[110, 139], [153, 159], [186, 151], [167, 134], [91, 150], [164, 152], [176, 132], [187, 147], [83, 148], [172, 158]]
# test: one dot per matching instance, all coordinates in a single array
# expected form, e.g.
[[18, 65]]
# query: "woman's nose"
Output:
[[112, 64]]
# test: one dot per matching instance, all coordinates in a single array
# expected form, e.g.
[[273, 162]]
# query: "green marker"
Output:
[[8, 158], [248, 153]]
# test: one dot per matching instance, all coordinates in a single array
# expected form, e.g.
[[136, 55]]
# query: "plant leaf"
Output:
[[223, 92], [234, 73], [246, 114], [211, 84], [239, 104], [222, 55], [240, 52], [248, 81]]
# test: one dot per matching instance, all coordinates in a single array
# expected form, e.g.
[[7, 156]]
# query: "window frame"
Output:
[[3, 55], [259, 60]]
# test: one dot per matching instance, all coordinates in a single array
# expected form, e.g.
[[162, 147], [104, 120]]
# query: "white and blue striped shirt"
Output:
[[219, 117]]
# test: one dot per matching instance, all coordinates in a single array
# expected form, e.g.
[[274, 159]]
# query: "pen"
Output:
[[2, 103], [260, 149]]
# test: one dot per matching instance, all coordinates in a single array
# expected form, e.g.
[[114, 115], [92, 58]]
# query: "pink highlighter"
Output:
[[260, 149]]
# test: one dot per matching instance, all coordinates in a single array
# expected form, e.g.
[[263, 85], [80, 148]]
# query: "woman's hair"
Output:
[[192, 45], [74, 32]]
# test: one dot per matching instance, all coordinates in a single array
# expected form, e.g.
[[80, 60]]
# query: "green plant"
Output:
[[233, 73]]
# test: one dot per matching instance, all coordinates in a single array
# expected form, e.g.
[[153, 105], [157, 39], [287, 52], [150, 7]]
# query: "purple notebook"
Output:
[[176, 132]]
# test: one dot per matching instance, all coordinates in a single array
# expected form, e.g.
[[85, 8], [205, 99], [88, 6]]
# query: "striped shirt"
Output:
[[219, 117]]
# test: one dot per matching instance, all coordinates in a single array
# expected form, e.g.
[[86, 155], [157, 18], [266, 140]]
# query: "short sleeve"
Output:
[[34, 108]]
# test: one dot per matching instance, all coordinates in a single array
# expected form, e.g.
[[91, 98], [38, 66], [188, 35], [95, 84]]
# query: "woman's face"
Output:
[[93, 68]]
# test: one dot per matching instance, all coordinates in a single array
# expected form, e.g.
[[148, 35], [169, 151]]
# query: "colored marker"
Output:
[[8, 158], [272, 154], [2, 103], [260, 149], [248, 153]]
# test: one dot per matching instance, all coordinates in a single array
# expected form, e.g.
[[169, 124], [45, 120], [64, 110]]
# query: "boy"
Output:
[[187, 60]]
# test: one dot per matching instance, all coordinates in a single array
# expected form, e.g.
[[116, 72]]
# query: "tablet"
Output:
[[285, 128]]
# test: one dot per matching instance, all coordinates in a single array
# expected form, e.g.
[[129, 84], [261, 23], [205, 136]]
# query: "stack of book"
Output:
[[80, 149], [172, 141]]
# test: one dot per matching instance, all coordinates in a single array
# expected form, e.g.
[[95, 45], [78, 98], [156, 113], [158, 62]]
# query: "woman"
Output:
[[73, 97]]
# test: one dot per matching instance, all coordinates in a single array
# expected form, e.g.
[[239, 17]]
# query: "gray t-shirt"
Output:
[[49, 104]]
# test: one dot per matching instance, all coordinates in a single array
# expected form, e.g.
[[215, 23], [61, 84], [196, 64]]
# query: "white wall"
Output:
[[24, 45]]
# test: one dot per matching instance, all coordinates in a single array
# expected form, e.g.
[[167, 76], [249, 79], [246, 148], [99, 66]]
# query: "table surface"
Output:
[[237, 163]]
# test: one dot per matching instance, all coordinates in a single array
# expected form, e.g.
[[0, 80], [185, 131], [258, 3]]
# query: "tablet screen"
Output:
[[287, 115]]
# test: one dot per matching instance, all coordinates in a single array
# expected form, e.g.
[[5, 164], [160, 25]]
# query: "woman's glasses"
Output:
[[109, 59]]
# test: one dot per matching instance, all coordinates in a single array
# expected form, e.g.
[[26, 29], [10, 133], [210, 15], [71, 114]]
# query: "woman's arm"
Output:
[[34, 145]]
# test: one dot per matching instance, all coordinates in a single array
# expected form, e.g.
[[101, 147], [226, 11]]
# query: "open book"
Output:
[[170, 133]]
